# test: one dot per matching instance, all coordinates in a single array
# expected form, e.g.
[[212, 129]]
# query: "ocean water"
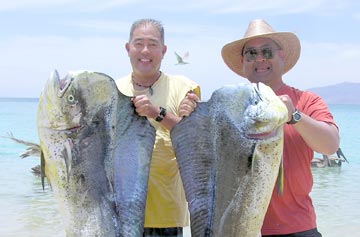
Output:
[[28, 210]]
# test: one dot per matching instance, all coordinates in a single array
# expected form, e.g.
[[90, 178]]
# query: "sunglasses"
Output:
[[251, 54]]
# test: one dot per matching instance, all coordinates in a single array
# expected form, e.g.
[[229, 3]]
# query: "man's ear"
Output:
[[164, 49], [127, 47]]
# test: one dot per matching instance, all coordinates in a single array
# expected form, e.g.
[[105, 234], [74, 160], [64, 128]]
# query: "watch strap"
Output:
[[295, 117]]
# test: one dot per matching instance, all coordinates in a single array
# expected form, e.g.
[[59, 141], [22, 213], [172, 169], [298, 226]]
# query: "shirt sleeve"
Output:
[[315, 107]]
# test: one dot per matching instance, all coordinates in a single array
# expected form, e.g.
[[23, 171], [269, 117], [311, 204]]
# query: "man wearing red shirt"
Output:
[[264, 55]]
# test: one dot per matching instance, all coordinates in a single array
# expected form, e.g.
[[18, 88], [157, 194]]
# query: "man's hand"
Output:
[[289, 105], [144, 107], [188, 104]]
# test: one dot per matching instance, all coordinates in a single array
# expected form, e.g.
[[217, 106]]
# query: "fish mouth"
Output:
[[61, 84], [75, 128], [264, 135]]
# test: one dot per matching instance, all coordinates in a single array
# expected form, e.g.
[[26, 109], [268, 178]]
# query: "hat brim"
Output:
[[232, 52]]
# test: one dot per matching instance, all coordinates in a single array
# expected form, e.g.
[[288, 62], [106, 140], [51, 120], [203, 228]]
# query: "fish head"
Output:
[[70, 102], [264, 114], [59, 103], [253, 108]]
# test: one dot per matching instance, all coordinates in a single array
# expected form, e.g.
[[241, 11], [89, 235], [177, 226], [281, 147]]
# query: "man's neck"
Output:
[[275, 85], [145, 81]]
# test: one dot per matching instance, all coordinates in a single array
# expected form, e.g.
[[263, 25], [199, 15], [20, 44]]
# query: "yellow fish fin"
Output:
[[280, 179]]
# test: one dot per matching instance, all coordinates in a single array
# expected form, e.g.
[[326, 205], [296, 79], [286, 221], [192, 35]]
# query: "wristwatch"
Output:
[[161, 115], [295, 117]]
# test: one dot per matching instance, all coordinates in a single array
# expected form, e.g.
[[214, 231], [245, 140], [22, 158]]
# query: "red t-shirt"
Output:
[[293, 211]]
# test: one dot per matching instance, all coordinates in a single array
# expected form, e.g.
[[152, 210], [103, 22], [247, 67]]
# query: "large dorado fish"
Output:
[[230, 163], [95, 154]]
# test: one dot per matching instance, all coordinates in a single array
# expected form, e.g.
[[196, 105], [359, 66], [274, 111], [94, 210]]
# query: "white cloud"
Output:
[[100, 25], [77, 5], [219, 6], [16, 4], [275, 7]]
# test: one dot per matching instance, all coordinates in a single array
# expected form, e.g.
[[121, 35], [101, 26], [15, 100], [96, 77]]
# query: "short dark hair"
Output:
[[147, 21]]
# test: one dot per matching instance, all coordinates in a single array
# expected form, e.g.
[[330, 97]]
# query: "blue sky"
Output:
[[38, 36]]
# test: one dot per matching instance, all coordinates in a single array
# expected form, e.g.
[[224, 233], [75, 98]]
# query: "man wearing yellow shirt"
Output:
[[163, 99]]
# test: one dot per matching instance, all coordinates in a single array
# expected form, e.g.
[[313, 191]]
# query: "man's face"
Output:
[[146, 50], [263, 61]]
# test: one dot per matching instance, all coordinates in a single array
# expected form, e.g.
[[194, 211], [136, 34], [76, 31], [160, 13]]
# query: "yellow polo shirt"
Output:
[[166, 204]]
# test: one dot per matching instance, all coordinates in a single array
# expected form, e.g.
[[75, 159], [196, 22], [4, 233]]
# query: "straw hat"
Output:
[[288, 41]]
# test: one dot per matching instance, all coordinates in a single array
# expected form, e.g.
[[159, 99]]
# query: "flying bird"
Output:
[[182, 60]]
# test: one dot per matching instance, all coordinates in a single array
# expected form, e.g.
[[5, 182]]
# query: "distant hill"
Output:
[[343, 93]]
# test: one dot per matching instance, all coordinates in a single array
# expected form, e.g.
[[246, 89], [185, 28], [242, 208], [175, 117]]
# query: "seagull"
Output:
[[181, 60]]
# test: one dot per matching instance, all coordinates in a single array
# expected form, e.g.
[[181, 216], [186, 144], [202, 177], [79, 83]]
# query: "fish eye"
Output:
[[71, 98]]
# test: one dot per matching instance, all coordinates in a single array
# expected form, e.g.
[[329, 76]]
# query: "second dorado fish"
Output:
[[230, 162]]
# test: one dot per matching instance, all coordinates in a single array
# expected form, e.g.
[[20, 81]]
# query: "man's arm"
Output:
[[320, 136], [144, 107]]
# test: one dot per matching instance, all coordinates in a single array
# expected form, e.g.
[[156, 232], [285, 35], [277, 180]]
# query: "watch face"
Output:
[[297, 116]]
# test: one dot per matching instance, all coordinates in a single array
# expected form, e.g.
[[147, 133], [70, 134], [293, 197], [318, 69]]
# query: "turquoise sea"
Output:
[[27, 210]]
